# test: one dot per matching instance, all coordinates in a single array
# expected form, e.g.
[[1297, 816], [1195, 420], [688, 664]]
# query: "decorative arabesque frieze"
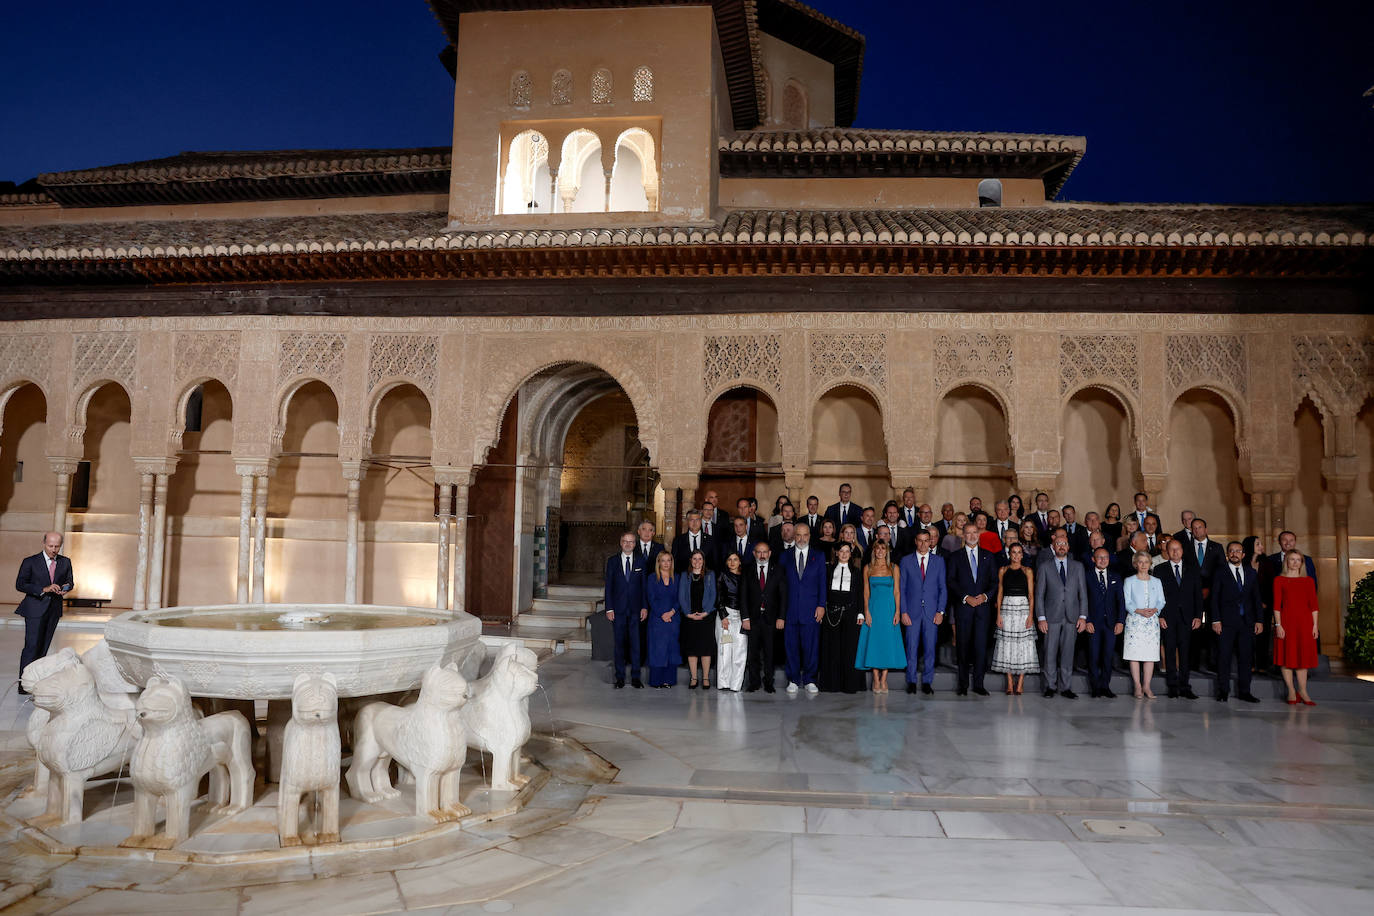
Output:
[[1336, 367], [1198, 358], [309, 354], [413, 357], [742, 357], [855, 357], [105, 356], [1087, 358], [24, 357], [974, 355], [206, 355]]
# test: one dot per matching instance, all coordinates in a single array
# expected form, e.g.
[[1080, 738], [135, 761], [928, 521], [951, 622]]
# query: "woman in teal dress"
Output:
[[880, 643], [665, 622]]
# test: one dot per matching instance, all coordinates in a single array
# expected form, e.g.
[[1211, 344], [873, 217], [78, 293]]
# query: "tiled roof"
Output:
[[1061, 225], [836, 140]]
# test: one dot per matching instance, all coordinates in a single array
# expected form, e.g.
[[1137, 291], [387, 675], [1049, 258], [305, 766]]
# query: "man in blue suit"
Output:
[[806, 597], [972, 588], [43, 579], [1106, 620], [625, 607], [1236, 621], [924, 595]]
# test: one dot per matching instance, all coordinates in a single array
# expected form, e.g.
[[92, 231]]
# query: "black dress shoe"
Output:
[[927, 689], [1173, 693], [1107, 692], [1068, 694], [1187, 693], [751, 689], [981, 691], [22, 691], [1247, 697], [1221, 697], [1049, 693], [619, 682], [910, 688], [769, 688], [961, 692], [636, 683]]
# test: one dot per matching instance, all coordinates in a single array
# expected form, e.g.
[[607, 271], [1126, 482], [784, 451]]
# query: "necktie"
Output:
[[801, 562], [52, 569], [627, 567], [923, 567], [694, 543], [1201, 552], [1070, 527], [973, 562], [1102, 579], [741, 546], [708, 527], [1240, 580], [1043, 522], [763, 578], [646, 551], [1178, 576], [1063, 576], [910, 519]]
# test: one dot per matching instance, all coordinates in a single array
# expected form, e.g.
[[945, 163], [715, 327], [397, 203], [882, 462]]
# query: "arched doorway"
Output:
[[1097, 451], [396, 503], [972, 449], [201, 555], [27, 482], [1204, 468], [306, 502], [742, 456], [848, 445], [105, 485]]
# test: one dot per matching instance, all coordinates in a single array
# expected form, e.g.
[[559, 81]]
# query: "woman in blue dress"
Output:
[[665, 622], [880, 643]]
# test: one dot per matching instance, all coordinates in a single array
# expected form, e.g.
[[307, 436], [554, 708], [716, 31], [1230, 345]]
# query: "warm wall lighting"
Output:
[[97, 586]]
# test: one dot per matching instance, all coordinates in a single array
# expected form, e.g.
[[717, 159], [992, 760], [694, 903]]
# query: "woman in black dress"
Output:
[[840, 627], [827, 540], [697, 597], [1111, 526]]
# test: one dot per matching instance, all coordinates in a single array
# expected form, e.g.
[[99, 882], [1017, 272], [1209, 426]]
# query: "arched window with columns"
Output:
[[525, 185], [581, 177], [634, 178]]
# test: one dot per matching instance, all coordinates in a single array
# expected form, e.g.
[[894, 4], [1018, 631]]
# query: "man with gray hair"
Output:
[[43, 579], [1061, 605]]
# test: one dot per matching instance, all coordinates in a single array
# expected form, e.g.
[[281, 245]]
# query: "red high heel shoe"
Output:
[[1309, 702], [1293, 702]]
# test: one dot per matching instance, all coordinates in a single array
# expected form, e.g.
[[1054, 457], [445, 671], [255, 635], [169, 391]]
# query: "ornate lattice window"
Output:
[[562, 88], [601, 87], [644, 85], [521, 88], [794, 114]]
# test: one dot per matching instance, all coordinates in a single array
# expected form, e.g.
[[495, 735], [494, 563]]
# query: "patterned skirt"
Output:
[[1014, 651]]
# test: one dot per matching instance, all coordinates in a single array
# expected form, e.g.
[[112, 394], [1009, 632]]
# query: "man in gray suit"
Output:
[[1061, 604]]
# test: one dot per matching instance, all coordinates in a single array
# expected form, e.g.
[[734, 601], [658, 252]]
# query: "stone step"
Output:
[[594, 592], [563, 607], [551, 622]]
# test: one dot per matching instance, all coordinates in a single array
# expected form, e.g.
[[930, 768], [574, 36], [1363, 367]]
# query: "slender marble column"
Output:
[[1259, 516], [1341, 499], [245, 536], [62, 494], [351, 545], [441, 574], [145, 498], [1276, 513], [460, 544], [158, 537], [259, 539]]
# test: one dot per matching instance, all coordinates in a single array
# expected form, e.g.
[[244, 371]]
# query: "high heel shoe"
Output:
[[1293, 702], [692, 685], [706, 683], [1306, 702]]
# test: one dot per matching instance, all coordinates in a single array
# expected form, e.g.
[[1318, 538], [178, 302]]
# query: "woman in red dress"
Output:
[[1295, 625]]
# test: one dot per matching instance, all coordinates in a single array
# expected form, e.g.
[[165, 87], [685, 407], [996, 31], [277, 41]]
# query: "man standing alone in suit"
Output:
[[1061, 602], [43, 579]]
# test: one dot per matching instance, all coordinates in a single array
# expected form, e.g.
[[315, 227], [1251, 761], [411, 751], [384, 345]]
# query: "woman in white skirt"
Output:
[[1144, 600], [731, 641], [1014, 652]]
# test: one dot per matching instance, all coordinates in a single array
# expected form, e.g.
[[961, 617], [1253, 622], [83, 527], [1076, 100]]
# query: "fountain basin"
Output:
[[244, 652]]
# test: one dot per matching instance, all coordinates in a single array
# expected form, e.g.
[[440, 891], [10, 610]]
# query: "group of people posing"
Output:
[[852, 592]]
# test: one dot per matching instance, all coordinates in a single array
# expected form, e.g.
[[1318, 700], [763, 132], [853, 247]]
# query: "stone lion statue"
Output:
[[427, 738], [310, 760], [497, 713], [76, 733], [175, 751]]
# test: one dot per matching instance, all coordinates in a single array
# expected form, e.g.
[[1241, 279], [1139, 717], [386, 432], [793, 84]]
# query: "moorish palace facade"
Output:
[[656, 260]]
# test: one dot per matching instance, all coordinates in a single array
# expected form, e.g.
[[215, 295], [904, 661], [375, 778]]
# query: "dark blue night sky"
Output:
[[1223, 102]]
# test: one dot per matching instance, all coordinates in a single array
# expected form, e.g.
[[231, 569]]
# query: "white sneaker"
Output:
[[791, 687], [812, 688]]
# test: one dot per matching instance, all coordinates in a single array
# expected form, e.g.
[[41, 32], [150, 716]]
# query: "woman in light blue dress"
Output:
[[880, 643], [1144, 601]]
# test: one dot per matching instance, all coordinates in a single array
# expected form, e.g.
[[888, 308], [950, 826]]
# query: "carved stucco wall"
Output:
[[672, 368]]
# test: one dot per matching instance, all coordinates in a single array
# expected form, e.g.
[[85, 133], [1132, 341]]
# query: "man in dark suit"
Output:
[[804, 569], [694, 538], [1289, 541], [758, 528], [1236, 621], [1001, 521], [765, 601], [1077, 534], [1181, 615], [1153, 536], [1185, 534], [44, 579], [625, 606], [813, 516], [646, 546], [1041, 517], [924, 599], [945, 522], [782, 538], [1207, 556], [1123, 562], [1143, 511], [909, 514], [714, 521], [843, 512], [972, 588], [1106, 620]]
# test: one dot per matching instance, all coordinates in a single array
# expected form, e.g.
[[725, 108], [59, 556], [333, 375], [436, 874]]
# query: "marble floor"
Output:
[[827, 804]]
